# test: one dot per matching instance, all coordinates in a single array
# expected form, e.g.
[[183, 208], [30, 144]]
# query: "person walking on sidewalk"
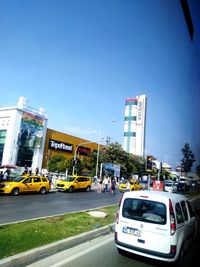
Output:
[[113, 185], [99, 185], [105, 182]]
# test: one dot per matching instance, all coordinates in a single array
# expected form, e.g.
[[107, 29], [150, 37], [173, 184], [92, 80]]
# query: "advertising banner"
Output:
[[31, 131], [111, 170]]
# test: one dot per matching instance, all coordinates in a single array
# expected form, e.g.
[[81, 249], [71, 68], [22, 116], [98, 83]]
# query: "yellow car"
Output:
[[135, 185], [131, 185], [72, 183], [123, 186], [25, 184]]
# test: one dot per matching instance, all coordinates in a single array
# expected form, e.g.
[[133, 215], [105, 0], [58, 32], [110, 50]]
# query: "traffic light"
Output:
[[149, 165]]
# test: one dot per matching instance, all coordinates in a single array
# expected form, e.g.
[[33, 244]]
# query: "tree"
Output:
[[129, 164], [112, 153], [60, 164], [54, 163], [198, 170], [188, 159]]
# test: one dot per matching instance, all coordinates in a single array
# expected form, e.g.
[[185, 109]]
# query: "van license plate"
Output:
[[131, 231]]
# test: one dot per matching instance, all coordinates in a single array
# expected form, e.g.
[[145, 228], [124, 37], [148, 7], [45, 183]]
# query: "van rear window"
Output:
[[144, 210]]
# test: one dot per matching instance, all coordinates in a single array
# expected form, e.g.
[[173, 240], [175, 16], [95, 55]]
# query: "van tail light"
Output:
[[172, 219]]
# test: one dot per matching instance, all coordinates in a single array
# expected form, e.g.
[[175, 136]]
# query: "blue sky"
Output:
[[80, 60]]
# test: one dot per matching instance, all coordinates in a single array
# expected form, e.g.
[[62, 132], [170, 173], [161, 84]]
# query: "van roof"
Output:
[[154, 195]]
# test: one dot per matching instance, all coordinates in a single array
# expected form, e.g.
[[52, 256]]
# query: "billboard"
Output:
[[31, 131], [110, 169]]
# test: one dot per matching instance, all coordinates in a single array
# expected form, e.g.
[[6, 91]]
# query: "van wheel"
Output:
[[183, 258], [43, 190], [88, 189], [15, 191], [71, 189]]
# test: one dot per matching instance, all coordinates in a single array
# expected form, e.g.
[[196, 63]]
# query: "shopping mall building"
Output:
[[25, 139]]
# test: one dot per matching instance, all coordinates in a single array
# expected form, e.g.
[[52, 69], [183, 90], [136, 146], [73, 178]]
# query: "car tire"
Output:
[[15, 191], [43, 190], [183, 258], [71, 189]]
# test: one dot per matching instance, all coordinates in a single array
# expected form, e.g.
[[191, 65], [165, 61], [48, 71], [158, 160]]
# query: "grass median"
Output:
[[23, 236]]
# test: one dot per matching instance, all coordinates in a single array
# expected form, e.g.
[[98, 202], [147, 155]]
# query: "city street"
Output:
[[31, 206], [100, 251]]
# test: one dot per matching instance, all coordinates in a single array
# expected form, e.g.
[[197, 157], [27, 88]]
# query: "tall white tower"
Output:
[[134, 125]]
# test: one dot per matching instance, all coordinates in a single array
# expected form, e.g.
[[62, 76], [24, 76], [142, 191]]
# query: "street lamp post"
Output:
[[99, 138], [75, 153], [98, 150]]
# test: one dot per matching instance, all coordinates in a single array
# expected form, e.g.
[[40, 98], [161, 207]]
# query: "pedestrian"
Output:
[[1, 176], [99, 185], [37, 171], [25, 172], [113, 186], [105, 182], [7, 174]]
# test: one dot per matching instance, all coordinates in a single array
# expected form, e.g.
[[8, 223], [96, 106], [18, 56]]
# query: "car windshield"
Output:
[[69, 179], [144, 210], [18, 179], [168, 184]]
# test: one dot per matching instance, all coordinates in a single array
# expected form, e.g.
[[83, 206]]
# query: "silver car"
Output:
[[170, 186]]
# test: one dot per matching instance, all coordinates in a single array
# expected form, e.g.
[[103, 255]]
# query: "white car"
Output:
[[170, 186], [156, 224]]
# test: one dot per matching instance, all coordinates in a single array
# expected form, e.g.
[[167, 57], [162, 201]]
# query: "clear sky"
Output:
[[80, 60]]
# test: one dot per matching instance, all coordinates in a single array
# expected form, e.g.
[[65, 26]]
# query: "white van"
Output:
[[156, 224]]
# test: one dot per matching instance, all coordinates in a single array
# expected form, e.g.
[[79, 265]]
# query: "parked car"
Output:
[[72, 183], [25, 184], [156, 224], [170, 186], [181, 186]]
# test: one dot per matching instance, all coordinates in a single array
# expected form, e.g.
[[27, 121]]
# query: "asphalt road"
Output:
[[97, 252], [100, 251], [31, 206]]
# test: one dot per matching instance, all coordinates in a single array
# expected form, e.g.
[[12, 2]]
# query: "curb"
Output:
[[25, 258]]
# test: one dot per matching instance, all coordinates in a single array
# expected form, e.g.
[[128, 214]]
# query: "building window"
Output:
[[131, 102], [130, 134], [130, 118]]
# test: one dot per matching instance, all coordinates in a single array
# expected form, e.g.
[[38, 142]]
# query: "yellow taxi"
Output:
[[124, 186], [135, 185], [72, 183], [132, 185], [25, 184]]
